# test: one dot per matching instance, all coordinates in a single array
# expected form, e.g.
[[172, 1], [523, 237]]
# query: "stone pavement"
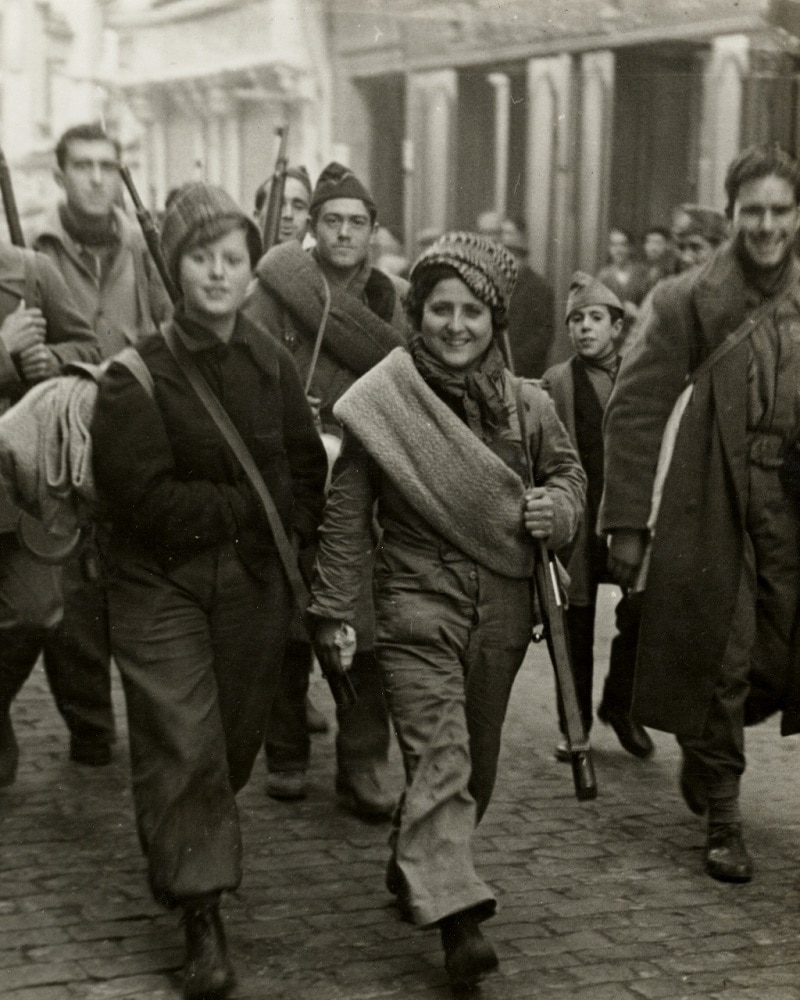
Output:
[[603, 900]]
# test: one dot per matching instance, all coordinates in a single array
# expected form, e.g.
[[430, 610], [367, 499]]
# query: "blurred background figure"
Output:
[[386, 252], [697, 231], [294, 211], [626, 277], [530, 312], [490, 225], [659, 254]]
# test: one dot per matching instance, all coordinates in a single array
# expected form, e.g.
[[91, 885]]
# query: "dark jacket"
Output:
[[697, 551], [173, 486], [530, 323]]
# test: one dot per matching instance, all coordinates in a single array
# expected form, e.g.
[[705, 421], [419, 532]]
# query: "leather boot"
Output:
[[632, 736], [208, 974], [468, 956], [9, 752], [727, 858]]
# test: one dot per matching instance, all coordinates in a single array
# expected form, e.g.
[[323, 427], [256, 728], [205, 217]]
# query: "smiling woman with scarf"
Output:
[[432, 434]]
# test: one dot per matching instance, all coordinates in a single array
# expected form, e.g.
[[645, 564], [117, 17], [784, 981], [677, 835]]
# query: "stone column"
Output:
[[502, 116], [549, 167], [720, 135], [594, 158], [428, 150]]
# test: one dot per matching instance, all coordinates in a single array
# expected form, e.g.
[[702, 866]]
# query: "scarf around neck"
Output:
[[465, 492], [88, 231], [479, 390]]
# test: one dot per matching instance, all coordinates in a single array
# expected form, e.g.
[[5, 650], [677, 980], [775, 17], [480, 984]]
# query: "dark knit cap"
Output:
[[338, 181], [205, 212], [487, 269]]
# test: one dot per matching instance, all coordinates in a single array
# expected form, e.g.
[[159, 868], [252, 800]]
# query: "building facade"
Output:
[[53, 56], [572, 117], [209, 82]]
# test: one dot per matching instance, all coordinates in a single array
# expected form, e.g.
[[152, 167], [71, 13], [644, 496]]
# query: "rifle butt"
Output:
[[583, 776]]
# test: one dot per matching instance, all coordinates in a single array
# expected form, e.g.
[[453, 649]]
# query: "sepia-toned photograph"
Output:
[[399, 499]]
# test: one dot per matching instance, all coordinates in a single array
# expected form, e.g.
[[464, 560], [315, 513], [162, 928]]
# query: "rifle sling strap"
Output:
[[234, 441]]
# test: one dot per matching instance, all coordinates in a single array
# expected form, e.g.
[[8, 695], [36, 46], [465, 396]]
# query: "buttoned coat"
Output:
[[698, 545]]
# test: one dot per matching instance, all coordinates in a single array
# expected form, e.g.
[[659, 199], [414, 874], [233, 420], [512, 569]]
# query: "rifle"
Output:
[[150, 232], [272, 215], [551, 604], [10, 204]]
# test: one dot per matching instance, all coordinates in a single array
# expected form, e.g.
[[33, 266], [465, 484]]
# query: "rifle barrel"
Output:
[[10, 204]]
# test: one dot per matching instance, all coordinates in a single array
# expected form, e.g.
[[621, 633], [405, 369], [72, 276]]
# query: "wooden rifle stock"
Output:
[[10, 204], [150, 232], [272, 216], [551, 605]]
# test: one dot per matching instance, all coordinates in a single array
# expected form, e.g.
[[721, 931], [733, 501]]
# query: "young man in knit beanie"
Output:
[[581, 388], [104, 261], [332, 348]]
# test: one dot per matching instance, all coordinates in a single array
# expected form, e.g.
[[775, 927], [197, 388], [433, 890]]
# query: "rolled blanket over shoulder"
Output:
[[355, 336], [461, 488]]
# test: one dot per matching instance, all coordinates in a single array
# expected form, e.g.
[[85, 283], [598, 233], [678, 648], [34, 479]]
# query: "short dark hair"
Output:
[[88, 132], [423, 283], [299, 173], [756, 162]]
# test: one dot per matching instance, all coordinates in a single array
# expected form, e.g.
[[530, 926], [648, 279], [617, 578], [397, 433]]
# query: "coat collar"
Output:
[[722, 296]]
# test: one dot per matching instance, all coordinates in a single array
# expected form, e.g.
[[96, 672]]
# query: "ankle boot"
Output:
[[208, 974], [9, 752], [468, 956]]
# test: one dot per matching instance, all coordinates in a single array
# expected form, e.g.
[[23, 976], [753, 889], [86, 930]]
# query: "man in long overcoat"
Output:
[[721, 598]]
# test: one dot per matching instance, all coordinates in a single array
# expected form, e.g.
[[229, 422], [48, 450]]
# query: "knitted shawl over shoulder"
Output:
[[355, 335], [462, 489]]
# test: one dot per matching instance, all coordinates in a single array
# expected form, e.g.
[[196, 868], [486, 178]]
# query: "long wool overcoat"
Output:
[[698, 546]]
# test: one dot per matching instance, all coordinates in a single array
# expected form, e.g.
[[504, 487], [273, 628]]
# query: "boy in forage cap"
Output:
[[581, 388]]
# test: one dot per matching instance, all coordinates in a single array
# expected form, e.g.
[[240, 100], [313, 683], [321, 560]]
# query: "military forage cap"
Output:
[[196, 206], [485, 267], [697, 220], [338, 181], [586, 290]]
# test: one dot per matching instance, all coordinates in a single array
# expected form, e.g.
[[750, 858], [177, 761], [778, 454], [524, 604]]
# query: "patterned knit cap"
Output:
[[201, 206], [338, 181], [585, 291], [487, 269]]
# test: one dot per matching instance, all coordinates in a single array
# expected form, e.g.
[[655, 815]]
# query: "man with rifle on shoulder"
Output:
[[338, 316], [41, 329], [104, 261]]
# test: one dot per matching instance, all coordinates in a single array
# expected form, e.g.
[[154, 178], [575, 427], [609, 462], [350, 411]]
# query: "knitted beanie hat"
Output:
[[197, 207], [697, 220], [585, 290], [338, 181], [487, 269]]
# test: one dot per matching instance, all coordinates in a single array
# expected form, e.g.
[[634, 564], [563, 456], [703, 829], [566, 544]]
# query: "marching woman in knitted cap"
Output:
[[199, 603], [432, 434]]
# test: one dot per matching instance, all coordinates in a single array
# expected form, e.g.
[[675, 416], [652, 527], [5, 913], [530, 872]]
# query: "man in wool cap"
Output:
[[338, 317], [717, 641]]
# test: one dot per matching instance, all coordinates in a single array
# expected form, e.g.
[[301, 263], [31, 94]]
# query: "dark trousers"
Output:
[[618, 687], [363, 728], [77, 656], [199, 649]]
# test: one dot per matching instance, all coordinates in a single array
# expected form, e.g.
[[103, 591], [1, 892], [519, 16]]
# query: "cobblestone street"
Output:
[[603, 900]]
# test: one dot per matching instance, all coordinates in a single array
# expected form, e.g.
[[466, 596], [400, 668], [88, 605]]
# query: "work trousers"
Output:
[[451, 636], [759, 644], [30, 606], [77, 656], [618, 686], [199, 650], [362, 728]]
